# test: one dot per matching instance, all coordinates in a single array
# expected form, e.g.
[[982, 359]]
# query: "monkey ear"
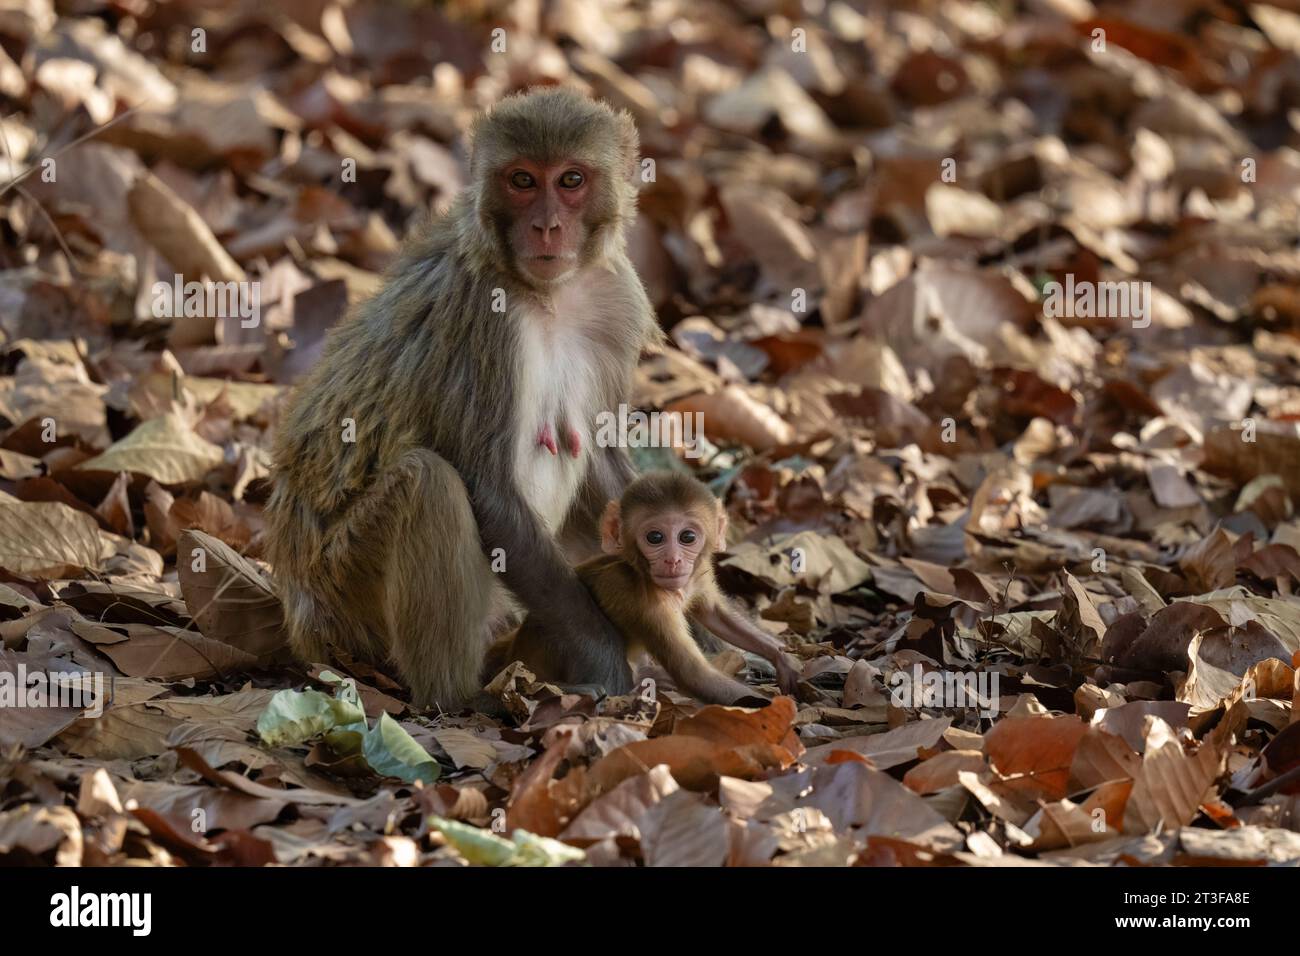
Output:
[[629, 143], [611, 529], [720, 543]]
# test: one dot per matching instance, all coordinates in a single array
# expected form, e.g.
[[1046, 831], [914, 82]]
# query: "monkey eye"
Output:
[[522, 180], [655, 537], [687, 537], [571, 180]]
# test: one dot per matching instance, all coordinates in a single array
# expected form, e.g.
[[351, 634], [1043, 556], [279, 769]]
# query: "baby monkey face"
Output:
[[671, 543], [549, 204]]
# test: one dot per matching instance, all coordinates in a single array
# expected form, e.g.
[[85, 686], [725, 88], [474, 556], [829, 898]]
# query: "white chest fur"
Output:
[[557, 391]]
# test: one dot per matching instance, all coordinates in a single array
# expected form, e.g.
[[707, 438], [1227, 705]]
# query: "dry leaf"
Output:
[[164, 449]]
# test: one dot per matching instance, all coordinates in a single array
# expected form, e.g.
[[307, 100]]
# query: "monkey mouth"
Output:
[[548, 266], [670, 582]]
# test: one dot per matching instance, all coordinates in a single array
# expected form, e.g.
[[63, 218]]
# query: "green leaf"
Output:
[[533, 850], [348, 740], [391, 751], [295, 716], [485, 848], [474, 843]]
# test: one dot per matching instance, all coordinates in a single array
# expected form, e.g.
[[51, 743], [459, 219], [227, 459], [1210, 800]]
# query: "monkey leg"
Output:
[[401, 575], [324, 579], [438, 591]]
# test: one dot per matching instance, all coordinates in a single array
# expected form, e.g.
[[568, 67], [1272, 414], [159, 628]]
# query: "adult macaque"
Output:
[[448, 426], [657, 569]]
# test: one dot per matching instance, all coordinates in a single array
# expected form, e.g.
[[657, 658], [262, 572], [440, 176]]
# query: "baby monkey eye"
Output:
[[687, 537], [522, 180], [655, 537], [571, 180]]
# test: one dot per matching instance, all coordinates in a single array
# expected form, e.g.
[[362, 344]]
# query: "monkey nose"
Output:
[[544, 226]]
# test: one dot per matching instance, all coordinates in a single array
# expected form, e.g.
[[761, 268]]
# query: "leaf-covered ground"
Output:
[[936, 463]]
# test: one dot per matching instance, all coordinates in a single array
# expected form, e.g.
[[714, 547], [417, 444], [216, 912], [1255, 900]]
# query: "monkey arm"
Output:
[[610, 472], [670, 643], [535, 569], [557, 601], [734, 628]]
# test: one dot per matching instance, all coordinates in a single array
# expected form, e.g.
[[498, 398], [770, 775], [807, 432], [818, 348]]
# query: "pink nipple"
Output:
[[546, 438]]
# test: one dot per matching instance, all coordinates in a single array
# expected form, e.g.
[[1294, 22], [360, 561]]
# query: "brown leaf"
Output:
[[179, 233], [1273, 561], [944, 311], [1220, 658], [1033, 754], [1173, 781], [228, 597], [621, 811], [165, 449], [49, 540], [213, 516], [1272, 449], [940, 771], [171, 653], [1210, 563], [115, 509], [854, 795], [36, 830], [683, 829], [891, 748], [32, 727], [733, 415], [1128, 721], [137, 724], [1163, 644]]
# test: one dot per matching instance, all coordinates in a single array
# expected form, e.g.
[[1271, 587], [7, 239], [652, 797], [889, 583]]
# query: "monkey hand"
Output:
[[787, 675]]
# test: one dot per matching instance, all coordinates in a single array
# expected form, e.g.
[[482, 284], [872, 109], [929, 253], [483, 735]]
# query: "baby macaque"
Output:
[[656, 570]]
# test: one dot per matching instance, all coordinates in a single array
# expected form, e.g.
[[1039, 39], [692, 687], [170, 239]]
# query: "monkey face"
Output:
[[665, 525], [553, 181], [548, 205], [671, 543]]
